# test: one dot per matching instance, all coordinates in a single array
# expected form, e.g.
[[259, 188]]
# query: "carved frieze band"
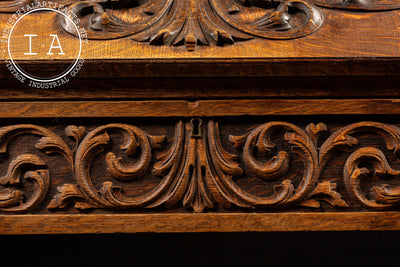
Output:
[[195, 171], [201, 22]]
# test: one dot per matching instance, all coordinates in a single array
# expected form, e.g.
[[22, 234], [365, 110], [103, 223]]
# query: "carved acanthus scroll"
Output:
[[201, 22], [28, 168], [197, 172], [196, 22]]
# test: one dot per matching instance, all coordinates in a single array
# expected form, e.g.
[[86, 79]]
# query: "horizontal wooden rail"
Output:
[[208, 222], [180, 108]]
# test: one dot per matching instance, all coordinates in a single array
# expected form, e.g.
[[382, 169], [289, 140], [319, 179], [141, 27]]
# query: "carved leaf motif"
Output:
[[28, 166], [353, 174], [10, 199], [385, 194], [76, 133], [198, 171], [325, 191], [303, 146], [110, 196], [50, 142], [196, 22], [68, 194], [315, 131]]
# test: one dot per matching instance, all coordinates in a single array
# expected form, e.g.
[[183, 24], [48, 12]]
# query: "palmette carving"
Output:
[[200, 22], [195, 22], [196, 172]]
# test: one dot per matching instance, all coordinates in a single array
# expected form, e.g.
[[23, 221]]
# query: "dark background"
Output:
[[204, 249]]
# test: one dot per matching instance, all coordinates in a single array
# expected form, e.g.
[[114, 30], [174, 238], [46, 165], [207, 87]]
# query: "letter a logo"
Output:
[[55, 37]]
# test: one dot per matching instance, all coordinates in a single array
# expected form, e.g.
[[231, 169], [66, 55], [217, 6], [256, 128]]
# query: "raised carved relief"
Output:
[[196, 22], [196, 172], [28, 168], [201, 22]]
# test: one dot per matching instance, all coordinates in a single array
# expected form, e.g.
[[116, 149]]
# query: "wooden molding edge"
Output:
[[208, 222], [228, 67], [200, 108]]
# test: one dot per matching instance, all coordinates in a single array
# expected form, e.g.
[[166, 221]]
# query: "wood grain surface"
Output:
[[239, 134], [200, 108], [344, 35], [211, 222]]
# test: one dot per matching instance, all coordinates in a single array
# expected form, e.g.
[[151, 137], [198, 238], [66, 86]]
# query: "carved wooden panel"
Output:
[[196, 22], [201, 22], [198, 167]]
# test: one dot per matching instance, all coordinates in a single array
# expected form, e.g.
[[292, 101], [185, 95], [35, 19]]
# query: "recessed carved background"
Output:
[[199, 166]]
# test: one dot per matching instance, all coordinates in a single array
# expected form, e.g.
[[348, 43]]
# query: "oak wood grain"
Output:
[[210, 222], [349, 66], [200, 108], [343, 35]]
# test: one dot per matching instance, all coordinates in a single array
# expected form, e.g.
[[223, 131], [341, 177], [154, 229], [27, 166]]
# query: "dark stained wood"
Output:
[[194, 68], [209, 88]]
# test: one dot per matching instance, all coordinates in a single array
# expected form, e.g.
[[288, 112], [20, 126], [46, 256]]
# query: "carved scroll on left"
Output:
[[196, 171], [196, 22], [28, 168]]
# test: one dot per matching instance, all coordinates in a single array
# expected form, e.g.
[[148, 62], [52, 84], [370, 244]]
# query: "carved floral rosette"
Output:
[[196, 172]]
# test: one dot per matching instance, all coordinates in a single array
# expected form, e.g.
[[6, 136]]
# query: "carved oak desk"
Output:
[[203, 115]]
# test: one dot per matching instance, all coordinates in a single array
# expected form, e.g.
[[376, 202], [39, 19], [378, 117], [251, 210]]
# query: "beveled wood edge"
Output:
[[201, 108], [229, 67], [208, 222]]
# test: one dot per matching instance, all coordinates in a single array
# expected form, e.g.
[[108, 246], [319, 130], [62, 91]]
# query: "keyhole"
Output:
[[196, 124]]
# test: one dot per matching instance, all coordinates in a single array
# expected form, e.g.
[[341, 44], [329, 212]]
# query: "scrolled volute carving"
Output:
[[28, 168], [197, 172], [278, 165], [367, 162], [85, 194], [195, 22]]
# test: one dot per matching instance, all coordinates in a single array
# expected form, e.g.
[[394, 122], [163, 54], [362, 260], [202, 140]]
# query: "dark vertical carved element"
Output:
[[197, 165], [196, 22]]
